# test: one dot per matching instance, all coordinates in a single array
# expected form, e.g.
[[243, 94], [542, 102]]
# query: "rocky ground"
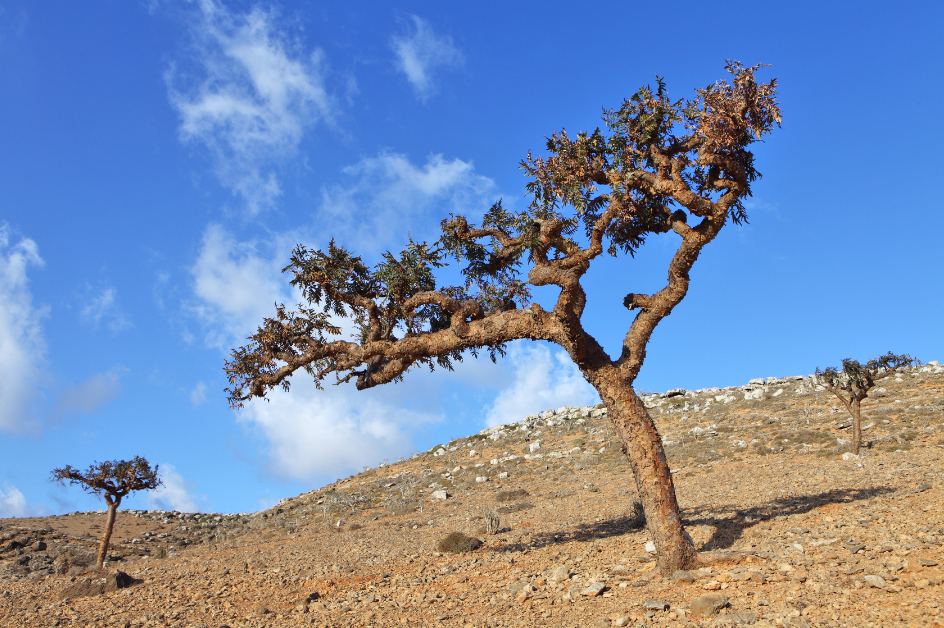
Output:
[[792, 529]]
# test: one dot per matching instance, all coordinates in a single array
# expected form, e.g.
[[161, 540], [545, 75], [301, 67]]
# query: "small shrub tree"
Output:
[[852, 384], [114, 480], [661, 166]]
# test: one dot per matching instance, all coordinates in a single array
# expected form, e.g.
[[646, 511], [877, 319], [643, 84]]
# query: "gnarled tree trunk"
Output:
[[113, 503], [643, 446], [856, 425]]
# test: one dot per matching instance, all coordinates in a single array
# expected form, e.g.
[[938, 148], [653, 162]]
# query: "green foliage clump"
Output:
[[510, 496], [457, 542]]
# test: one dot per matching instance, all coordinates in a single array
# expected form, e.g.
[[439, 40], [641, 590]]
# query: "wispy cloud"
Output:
[[420, 52], [91, 394], [335, 431], [543, 379], [388, 189], [13, 504], [255, 93], [174, 493], [198, 394], [101, 308], [12, 25], [236, 285], [22, 347]]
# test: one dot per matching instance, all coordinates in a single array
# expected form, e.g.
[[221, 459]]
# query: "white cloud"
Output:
[[388, 195], [22, 347], [174, 494], [102, 308], [335, 431], [256, 95], [14, 504], [543, 379], [198, 394], [420, 52], [91, 394], [236, 285]]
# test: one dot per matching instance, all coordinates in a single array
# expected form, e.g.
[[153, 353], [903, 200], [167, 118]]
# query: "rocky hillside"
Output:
[[793, 530]]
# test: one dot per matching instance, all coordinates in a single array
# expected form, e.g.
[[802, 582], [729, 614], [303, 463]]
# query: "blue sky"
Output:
[[159, 160]]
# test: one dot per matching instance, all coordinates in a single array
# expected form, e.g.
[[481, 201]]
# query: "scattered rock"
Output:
[[655, 605], [593, 589], [708, 604], [560, 574], [683, 577], [853, 546], [875, 581], [736, 619], [440, 494], [89, 586]]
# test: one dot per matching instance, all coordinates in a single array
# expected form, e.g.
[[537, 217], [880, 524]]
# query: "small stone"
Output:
[[603, 622], [876, 581], [708, 604], [683, 577], [503, 475], [440, 494], [714, 585], [260, 611], [481, 479], [560, 574], [621, 621], [853, 546], [651, 547], [655, 605], [593, 590], [573, 592], [927, 562]]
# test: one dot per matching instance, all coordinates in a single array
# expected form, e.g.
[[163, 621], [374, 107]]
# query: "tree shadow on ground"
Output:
[[729, 521]]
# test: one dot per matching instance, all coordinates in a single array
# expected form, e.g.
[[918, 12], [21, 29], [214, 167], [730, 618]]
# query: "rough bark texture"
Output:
[[643, 446], [109, 526], [856, 425]]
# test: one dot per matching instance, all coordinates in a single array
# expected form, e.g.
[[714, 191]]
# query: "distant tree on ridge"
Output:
[[853, 382], [114, 480]]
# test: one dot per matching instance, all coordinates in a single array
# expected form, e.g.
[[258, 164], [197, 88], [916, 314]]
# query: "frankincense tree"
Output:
[[853, 382], [114, 480], [659, 166]]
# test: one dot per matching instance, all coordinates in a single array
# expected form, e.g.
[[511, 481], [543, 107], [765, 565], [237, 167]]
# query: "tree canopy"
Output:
[[116, 478], [656, 166], [857, 379]]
